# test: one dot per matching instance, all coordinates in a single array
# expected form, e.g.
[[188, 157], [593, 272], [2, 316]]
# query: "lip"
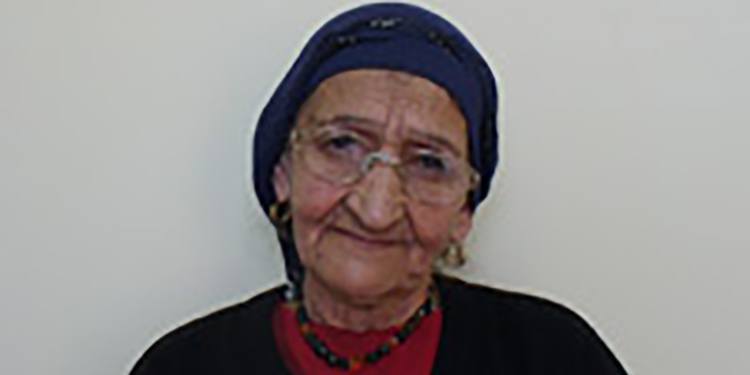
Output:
[[384, 242]]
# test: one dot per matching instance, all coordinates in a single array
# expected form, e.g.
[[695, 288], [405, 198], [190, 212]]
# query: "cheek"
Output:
[[433, 226], [313, 204], [314, 201]]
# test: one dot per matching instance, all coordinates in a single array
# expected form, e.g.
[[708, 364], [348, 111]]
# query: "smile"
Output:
[[381, 242]]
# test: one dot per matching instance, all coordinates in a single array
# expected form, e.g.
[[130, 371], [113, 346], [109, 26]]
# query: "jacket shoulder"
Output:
[[237, 337], [512, 306], [534, 334]]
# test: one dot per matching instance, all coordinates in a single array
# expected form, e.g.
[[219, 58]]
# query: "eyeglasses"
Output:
[[342, 156]]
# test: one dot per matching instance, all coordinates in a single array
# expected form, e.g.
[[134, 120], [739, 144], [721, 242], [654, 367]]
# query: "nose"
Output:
[[377, 200]]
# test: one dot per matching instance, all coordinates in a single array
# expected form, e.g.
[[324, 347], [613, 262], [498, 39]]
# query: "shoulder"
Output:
[[535, 332], [488, 302], [212, 343]]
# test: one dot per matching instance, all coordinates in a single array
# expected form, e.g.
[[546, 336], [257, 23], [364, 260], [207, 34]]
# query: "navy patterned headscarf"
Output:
[[391, 36]]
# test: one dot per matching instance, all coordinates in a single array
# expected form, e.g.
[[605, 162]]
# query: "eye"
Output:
[[431, 162], [342, 145], [430, 165], [341, 142]]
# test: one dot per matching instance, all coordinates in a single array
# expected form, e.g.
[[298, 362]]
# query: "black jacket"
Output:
[[485, 331]]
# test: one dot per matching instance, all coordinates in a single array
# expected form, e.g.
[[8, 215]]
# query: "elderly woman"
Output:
[[370, 159]]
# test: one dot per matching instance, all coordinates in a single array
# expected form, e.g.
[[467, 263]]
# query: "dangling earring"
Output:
[[280, 216], [279, 213], [292, 293], [453, 256]]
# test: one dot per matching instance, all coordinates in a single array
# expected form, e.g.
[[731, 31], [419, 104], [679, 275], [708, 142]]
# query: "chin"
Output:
[[360, 284]]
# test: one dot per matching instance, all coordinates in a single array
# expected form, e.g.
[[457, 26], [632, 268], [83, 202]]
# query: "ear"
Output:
[[462, 225], [282, 185]]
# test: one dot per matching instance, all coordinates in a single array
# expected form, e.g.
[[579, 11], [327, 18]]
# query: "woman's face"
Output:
[[371, 238]]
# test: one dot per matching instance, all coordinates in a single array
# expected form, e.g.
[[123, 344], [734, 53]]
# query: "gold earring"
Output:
[[279, 213], [281, 216], [453, 256]]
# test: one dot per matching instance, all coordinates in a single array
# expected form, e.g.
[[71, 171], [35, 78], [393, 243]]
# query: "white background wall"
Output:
[[125, 210]]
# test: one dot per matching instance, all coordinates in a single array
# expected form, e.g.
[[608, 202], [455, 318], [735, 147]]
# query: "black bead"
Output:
[[332, 359], [401, 336], [372, 357], [315, 342], [409, 327], [428, 309], [321, 350], [343, 363], [302, 316]]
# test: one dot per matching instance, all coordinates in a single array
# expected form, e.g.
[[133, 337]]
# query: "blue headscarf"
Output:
[[391, 36]]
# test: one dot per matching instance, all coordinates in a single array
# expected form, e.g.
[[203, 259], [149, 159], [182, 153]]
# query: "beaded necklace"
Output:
[[353, 363]]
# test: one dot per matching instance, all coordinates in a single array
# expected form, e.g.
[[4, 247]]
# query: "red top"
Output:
[[415, 356]]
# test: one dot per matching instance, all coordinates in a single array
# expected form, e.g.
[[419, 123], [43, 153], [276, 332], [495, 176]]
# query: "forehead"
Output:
[[401, 102]]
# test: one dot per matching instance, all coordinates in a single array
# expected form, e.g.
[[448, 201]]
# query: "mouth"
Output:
[[369, 240]]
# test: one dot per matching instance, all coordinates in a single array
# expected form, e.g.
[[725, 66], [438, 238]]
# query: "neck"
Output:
[[376, 313]]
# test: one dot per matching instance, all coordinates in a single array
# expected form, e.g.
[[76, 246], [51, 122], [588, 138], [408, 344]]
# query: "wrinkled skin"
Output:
[[369, 247]]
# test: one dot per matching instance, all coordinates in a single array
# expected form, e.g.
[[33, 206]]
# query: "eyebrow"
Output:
[[426, 136], [432, 138], [348, 119]]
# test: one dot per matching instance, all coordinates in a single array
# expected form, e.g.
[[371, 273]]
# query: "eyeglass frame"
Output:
[[296, 136]]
